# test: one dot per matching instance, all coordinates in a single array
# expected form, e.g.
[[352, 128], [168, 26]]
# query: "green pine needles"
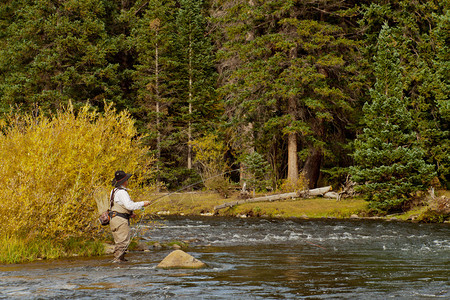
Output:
[[390, 165]]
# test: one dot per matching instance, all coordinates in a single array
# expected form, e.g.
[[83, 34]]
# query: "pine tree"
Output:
[[56, 51], [153, 39], [420, 29], [196, 73], [288, 72], [437, 87], [390, 163]]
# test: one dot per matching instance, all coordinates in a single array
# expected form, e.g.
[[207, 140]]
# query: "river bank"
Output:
[[203, 204]]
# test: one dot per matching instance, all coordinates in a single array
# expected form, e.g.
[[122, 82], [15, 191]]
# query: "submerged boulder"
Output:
[[179, 259], [141, 246]]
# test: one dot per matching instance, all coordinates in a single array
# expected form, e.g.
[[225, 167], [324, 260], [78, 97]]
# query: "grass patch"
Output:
[[17, 250], [81, 247], [311, 208], [445, 193], [204, 202], [197, 203], [14, 249], [178, 243], [417, 211], [184, 203]]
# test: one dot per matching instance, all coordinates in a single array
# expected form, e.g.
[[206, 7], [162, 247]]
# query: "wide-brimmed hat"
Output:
[[120, 177]]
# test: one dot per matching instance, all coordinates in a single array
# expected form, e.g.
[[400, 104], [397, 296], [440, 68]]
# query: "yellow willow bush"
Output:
[[51, 167], [209, 155], [209, 158]]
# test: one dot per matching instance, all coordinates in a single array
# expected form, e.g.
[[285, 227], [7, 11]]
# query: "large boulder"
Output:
[[179, 259]]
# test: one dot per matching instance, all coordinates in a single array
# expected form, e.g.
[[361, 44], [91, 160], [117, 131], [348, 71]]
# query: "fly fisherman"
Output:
[[121, 212]]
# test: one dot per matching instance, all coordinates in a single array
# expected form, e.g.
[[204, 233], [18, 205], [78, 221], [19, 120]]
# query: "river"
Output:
[[256, 259]]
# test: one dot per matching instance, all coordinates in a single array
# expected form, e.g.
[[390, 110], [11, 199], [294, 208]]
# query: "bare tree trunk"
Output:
[[158, 137], [154, 25], [292, 145], [311, 169], [248, 149], [189, 161], [292, 158], [292, 138]]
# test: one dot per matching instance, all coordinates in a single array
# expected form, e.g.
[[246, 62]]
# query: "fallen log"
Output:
[[300, 194], [315, 192], [332, 195]]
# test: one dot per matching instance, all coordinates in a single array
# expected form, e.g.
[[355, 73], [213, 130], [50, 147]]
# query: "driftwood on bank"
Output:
[[348, 189], [300, 194]]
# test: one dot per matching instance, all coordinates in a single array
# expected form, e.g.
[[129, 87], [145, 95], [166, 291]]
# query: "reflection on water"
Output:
[[257, 259]]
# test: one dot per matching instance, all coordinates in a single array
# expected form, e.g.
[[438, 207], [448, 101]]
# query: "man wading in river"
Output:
[[121, 212]]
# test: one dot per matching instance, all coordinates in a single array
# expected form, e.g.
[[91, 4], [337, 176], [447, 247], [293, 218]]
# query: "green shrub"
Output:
[[257, 171], [220, 184]]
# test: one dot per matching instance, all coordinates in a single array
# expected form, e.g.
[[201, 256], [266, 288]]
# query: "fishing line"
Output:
[[139, 224], [191, 185], [316, 245]]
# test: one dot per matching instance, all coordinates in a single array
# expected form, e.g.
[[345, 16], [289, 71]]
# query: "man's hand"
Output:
[[146, 203]]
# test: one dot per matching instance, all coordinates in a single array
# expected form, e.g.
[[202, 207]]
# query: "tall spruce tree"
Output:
[[288, 73], [390, 165], [438, 87], [153, 40], [195, 73], [53, 51], [421, 30]]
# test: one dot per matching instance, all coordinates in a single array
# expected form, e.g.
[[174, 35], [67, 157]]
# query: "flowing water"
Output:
[[257, 259]]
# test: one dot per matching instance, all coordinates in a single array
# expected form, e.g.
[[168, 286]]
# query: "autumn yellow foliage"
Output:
[[288, 186], [209, 155], [51, 167], [209, 158]]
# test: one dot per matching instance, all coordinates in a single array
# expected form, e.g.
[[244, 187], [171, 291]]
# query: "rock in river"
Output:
[[179, 259]]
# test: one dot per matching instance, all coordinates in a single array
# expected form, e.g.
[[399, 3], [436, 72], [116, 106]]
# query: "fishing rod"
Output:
[[136, 230], [191, 185], [139, 224]]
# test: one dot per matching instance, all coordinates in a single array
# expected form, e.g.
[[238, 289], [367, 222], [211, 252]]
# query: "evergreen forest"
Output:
[[311, 91]]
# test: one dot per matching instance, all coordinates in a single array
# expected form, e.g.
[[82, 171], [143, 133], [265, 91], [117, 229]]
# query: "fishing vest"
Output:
[[119, 209]]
